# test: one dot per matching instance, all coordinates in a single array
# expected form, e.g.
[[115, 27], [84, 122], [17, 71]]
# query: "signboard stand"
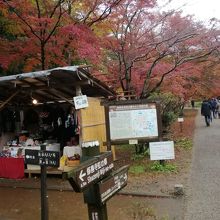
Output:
[[162, 162], [97, 213], [98, 194], [43, 158], [44, 196], [98, 183], [181, 120]]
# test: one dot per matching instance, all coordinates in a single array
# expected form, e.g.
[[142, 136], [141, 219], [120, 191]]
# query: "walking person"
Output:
[[206, 111], [218, 108], [192, 103], [213, 103]]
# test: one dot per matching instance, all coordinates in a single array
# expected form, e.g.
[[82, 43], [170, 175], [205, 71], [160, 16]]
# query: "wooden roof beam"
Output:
[[8, 100]]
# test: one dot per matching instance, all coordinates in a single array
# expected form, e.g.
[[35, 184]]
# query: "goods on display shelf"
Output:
[[71, 157]]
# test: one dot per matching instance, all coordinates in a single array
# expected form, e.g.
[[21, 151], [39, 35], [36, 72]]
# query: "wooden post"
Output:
[[97, 213], [180, 120], [44, 196]]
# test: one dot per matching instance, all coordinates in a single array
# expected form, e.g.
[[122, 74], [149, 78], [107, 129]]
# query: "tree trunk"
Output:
[[42, 55]]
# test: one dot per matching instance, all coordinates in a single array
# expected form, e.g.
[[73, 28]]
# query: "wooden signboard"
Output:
[[112, 184], [132, 121], [42, 157], [92, 170]]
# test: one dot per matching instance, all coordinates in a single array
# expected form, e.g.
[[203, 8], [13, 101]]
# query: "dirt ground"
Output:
[[146, 196], [24, 204]]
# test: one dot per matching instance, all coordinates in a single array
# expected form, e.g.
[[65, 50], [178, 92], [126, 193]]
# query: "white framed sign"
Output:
[[163, 150], [80, 101]]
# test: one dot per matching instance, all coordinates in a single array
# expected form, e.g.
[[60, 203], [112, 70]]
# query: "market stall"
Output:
[[38, 107]]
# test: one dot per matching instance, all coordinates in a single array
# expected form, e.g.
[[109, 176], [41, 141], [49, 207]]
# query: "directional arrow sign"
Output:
[[112, 184], [81, 175], [91, 171]]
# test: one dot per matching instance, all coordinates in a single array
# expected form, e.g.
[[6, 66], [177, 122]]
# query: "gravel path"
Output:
[[203, 191]]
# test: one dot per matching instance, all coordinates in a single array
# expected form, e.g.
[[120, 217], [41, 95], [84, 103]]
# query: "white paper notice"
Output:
[[163, 150], [80, 101]]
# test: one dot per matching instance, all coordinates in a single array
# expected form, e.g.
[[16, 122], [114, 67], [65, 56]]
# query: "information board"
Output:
[[42, 157], [163, 150], [133, 121]]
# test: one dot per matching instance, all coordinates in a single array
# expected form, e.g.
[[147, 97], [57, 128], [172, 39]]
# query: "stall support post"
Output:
[[44, 197]]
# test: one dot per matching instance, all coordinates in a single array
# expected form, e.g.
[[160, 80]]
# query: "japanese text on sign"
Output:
[[94, 171], [109, 186], [41, 157], [163, 150]]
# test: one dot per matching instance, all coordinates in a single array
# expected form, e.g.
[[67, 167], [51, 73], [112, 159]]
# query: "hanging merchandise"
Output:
[[46, 115], [70, 123]]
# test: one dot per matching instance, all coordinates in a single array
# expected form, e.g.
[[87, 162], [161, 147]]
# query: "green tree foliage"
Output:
[[170, 107]]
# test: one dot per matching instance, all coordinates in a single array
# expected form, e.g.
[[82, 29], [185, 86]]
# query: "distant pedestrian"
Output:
[[213, 103], [206, 111], [218, 108], [192, 103]]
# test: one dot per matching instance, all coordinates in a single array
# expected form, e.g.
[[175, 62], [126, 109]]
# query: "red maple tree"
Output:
[[147, 46], [52, 33]]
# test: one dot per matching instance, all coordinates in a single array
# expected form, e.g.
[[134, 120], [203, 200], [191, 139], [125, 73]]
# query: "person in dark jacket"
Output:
[[206, 110], [213, 103]]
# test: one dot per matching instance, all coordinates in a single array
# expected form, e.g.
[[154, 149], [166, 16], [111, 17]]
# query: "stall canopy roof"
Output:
[[53, 85]]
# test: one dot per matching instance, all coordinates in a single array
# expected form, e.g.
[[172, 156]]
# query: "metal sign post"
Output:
[[43, 158]]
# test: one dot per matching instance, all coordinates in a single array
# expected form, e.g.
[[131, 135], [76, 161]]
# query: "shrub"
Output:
[[156, 166]]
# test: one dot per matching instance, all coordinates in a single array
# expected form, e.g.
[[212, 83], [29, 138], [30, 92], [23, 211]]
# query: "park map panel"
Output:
[[133, 121]]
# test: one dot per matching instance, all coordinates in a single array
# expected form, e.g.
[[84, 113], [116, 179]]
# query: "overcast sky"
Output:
[[202, 9]]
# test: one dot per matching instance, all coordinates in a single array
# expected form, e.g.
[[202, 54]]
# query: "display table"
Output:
[[69, 151], [11, 168]]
